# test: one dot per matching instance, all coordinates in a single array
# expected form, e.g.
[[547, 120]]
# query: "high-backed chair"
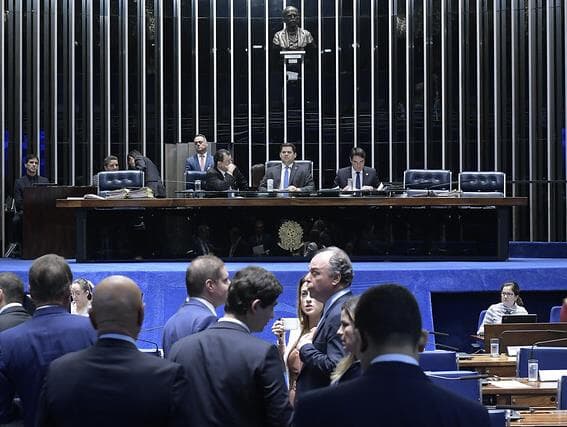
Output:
[[554, 314], [115, 180], [258, 171], [547, 357], [271, 163], [422, 181], [457, 382], [192, 176], [562, 394], [438, 360], [482, 184], [497, 417]]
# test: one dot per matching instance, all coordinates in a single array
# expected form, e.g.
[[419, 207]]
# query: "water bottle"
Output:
[[197, 185]]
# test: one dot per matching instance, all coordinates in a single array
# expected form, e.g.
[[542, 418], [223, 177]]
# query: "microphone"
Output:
[[156, 351], [461, 378], [438, 334]]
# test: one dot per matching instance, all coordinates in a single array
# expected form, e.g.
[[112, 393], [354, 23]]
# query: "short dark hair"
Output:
[[134, 154], [13, 287], [108, 159], [220, 155], [340, 263], [199, 271], [50, 279], [288, 144], [249, 284], [388, 313], [31, 156], [357, 151]]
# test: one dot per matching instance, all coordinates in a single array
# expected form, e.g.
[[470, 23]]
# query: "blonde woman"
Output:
[[309, 312], [348, 367]]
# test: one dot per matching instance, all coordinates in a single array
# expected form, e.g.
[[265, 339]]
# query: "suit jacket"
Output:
[[152, 177], [113, 384], [13, 316], [368, 176], [389, 394], [320, 358], [26, 351], [192, 163], [192, 317], [25, 182], [238, 378], [300, 176], [215, 181]]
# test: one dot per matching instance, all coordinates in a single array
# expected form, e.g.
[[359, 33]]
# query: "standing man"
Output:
[[207, 284], [29, 348], [288, 175], [12, 312], [393, 390], [238, 379], [201, 160], [112, 383], [225, 175], [329, 279], [152, 177], [363, 177]]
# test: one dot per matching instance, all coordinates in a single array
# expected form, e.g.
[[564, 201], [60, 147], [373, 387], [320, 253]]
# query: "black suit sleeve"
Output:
[[19, 194], [276, 401], [180, 392]]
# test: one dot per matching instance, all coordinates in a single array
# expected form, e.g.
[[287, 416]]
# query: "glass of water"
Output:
[[533, 370], [494, 347]]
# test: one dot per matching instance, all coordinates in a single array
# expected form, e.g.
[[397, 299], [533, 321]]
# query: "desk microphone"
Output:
[[438, 334], [156, 351], [462, 378]]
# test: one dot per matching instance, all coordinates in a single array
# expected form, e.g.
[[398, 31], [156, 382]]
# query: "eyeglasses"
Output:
[[507, 294]]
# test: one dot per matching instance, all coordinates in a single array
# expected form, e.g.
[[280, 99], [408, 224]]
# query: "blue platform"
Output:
[[450, 294]]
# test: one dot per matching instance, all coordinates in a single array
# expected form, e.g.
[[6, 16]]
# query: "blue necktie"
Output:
[[286, 178], [358, 186]]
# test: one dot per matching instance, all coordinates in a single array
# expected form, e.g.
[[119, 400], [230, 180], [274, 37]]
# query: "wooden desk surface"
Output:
[[541, 418], [293, 201], [533, 394], [503, 366]]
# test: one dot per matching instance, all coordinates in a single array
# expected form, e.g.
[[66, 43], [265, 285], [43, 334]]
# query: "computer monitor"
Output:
[[519, 318]]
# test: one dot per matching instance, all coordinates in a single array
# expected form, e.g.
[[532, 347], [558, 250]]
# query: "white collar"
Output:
[[233, 320], [205, 303], [395, 357], [12, 304]]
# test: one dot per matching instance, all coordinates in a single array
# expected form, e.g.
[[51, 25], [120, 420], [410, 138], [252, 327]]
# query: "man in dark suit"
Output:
[[207, 284], [201, 160], [363, 177], [329, 279], [238, 379], [225, 175], [152, 176], [288, 175], [393, 390], [113, 383], [27, 349], [12, 312]]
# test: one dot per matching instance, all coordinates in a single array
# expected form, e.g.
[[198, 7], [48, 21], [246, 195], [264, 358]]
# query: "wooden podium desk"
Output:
[[376, 228], [516, 334], [533, 394], [540, 419], [502, 366]]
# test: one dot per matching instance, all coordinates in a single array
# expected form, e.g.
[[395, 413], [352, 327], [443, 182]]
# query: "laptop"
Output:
[[519, 318]]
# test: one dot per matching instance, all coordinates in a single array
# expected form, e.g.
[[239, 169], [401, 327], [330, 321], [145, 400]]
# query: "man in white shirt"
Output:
[[201, 160]]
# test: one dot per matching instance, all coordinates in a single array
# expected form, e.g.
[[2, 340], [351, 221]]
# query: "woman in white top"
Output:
[[309, 312], [81, 295], [511, 304]]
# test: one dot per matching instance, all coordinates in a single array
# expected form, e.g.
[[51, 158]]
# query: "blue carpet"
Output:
[[163, 284]]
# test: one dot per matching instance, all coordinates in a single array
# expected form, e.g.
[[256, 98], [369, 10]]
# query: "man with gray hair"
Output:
[[12, 312], [29, 348], [207, 284], [329, 279]]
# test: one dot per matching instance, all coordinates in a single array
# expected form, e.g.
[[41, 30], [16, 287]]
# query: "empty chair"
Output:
[[115, 180], [464, 383], [562, 394], [423, 181], [547, 357], [482, 184], [438, 360], [554, 314], [497, 417], [192, 176], [480, 319]]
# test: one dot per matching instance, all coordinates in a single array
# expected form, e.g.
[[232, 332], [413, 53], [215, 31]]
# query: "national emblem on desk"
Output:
[[290, 234]]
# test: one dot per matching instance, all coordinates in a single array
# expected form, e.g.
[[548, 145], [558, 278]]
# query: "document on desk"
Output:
[[509, 384]]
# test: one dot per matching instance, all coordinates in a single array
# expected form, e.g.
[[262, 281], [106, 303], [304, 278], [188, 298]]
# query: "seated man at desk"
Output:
[[288, 175], [224, 175], [363, 177], [110, 164]]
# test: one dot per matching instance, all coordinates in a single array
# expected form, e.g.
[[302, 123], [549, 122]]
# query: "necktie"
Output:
[[286, 178], [358, 186], [202, 162]]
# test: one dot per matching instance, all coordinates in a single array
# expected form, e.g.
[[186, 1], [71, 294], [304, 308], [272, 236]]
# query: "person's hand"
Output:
[[278, 328], [293, 188], [367, 188], [230, 168], [307, 338]]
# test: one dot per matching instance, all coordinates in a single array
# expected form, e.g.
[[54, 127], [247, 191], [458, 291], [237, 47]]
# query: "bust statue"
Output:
[[292, 37]]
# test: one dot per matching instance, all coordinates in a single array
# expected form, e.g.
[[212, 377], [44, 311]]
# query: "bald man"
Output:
[[113, 383]]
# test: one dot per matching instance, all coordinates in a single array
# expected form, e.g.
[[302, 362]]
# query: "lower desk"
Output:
[[533, 394], [541, 418], [368, 228], [502, 366]]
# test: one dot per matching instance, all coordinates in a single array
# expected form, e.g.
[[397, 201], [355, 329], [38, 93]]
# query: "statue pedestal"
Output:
[[293, 77], [292, 56]]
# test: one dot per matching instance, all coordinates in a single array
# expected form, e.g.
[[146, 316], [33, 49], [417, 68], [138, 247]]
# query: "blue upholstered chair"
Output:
[[438, 360], [421, 181], [497, 417], [457, 382], [482, 184], [480, 318], [548, 358], [562, 394], [554, 314], [192, 176], [115, 180]]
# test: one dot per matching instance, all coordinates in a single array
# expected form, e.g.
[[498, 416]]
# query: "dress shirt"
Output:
[[395, 357], [206, 304], [202, 161], [233, 320], [331, 301], [12, 304]]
